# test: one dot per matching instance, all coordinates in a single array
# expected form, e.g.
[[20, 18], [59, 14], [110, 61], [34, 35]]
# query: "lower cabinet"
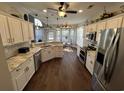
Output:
[[51, 52], [22, 74], [20, 81], [90, 61]]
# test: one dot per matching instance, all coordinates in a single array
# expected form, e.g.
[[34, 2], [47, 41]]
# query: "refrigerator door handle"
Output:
[[111, 63]]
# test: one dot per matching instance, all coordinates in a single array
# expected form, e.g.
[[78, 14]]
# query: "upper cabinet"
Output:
[[114, 23], [101, 26], [31, 31], [4, 31], [90, 28], [123, 23], [15, 30], [25, 31]]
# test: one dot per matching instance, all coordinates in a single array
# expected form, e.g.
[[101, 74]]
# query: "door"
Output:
[[31, 31], [25, 31], [4, 31], [103, 54], [21, 81], [15, 30]]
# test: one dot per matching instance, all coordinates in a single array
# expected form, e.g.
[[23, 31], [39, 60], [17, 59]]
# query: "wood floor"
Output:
[[61, 74]]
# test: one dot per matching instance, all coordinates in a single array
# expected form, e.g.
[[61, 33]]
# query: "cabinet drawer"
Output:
[[17, 71], [31, 61]]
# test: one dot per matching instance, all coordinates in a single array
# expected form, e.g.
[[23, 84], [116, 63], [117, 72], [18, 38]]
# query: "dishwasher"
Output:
[[37, 60]]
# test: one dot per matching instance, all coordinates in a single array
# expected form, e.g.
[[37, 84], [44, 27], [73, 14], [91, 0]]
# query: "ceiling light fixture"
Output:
[[45, 10], [80, 11], [61, 13]]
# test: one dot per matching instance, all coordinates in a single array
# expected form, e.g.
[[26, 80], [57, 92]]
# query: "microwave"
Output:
[[91, 36]]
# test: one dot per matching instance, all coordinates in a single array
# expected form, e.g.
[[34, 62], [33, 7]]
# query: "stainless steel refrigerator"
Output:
[[109, 66]]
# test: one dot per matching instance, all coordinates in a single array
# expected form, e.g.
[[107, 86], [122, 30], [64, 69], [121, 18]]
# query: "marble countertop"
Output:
[[17, 60]]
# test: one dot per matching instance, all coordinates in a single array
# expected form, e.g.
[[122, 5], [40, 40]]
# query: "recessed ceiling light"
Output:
[[80, 11], [45, 10]]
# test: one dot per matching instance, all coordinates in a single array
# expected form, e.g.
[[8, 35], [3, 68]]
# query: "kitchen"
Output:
[[41, 50]]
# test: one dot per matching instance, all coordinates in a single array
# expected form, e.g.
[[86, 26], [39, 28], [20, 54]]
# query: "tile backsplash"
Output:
[[13, 49]]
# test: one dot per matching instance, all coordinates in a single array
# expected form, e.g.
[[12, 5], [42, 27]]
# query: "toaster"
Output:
[[23, 50]]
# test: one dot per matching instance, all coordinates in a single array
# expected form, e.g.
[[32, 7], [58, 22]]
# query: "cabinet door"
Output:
[[21, 81], [114, 23], [25, 31], [31, 31], [101, 26], [30, 70], [93, 27], [15, 30], [4, 31], [44, 55]]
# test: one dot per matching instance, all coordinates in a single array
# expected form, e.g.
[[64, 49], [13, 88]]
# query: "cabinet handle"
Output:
[[91, 62], [18, 69], [8, 40]]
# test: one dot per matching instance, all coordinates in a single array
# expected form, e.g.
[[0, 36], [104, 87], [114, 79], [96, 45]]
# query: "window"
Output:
[[72, 37], [38, 22], [39, 35], [58, 36], [50, 36], [38, 30], [65, 36]]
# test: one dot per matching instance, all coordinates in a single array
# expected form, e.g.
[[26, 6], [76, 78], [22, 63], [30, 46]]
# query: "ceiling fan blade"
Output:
[[71, 11], [52, 9], [61, 3]]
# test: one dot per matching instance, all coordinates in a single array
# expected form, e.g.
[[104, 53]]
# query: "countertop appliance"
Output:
[[37, 60], [23, 50], [109, 66]]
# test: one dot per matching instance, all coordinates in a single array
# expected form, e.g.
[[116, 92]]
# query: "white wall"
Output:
[[80, 36], [5, 77]]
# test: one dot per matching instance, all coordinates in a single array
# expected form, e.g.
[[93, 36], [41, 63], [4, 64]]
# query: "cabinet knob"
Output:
[[18, 69], [8, 40], [27, 68], [91, 62], [13, 39]]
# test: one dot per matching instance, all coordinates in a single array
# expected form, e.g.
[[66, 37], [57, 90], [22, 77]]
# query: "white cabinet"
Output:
[[15, 30], [4, 31], [90, 61], [22, 74], [21, 81], [114, 23], [59, 51], [29, 70], [51, 52], [44, 55], [101, 26], [25, 31], [91, 28], [31, 31]]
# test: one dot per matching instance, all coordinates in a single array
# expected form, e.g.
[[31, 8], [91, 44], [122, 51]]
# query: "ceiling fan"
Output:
[[63, 9]]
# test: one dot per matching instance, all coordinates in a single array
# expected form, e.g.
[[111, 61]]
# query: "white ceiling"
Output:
[[36, 8]]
